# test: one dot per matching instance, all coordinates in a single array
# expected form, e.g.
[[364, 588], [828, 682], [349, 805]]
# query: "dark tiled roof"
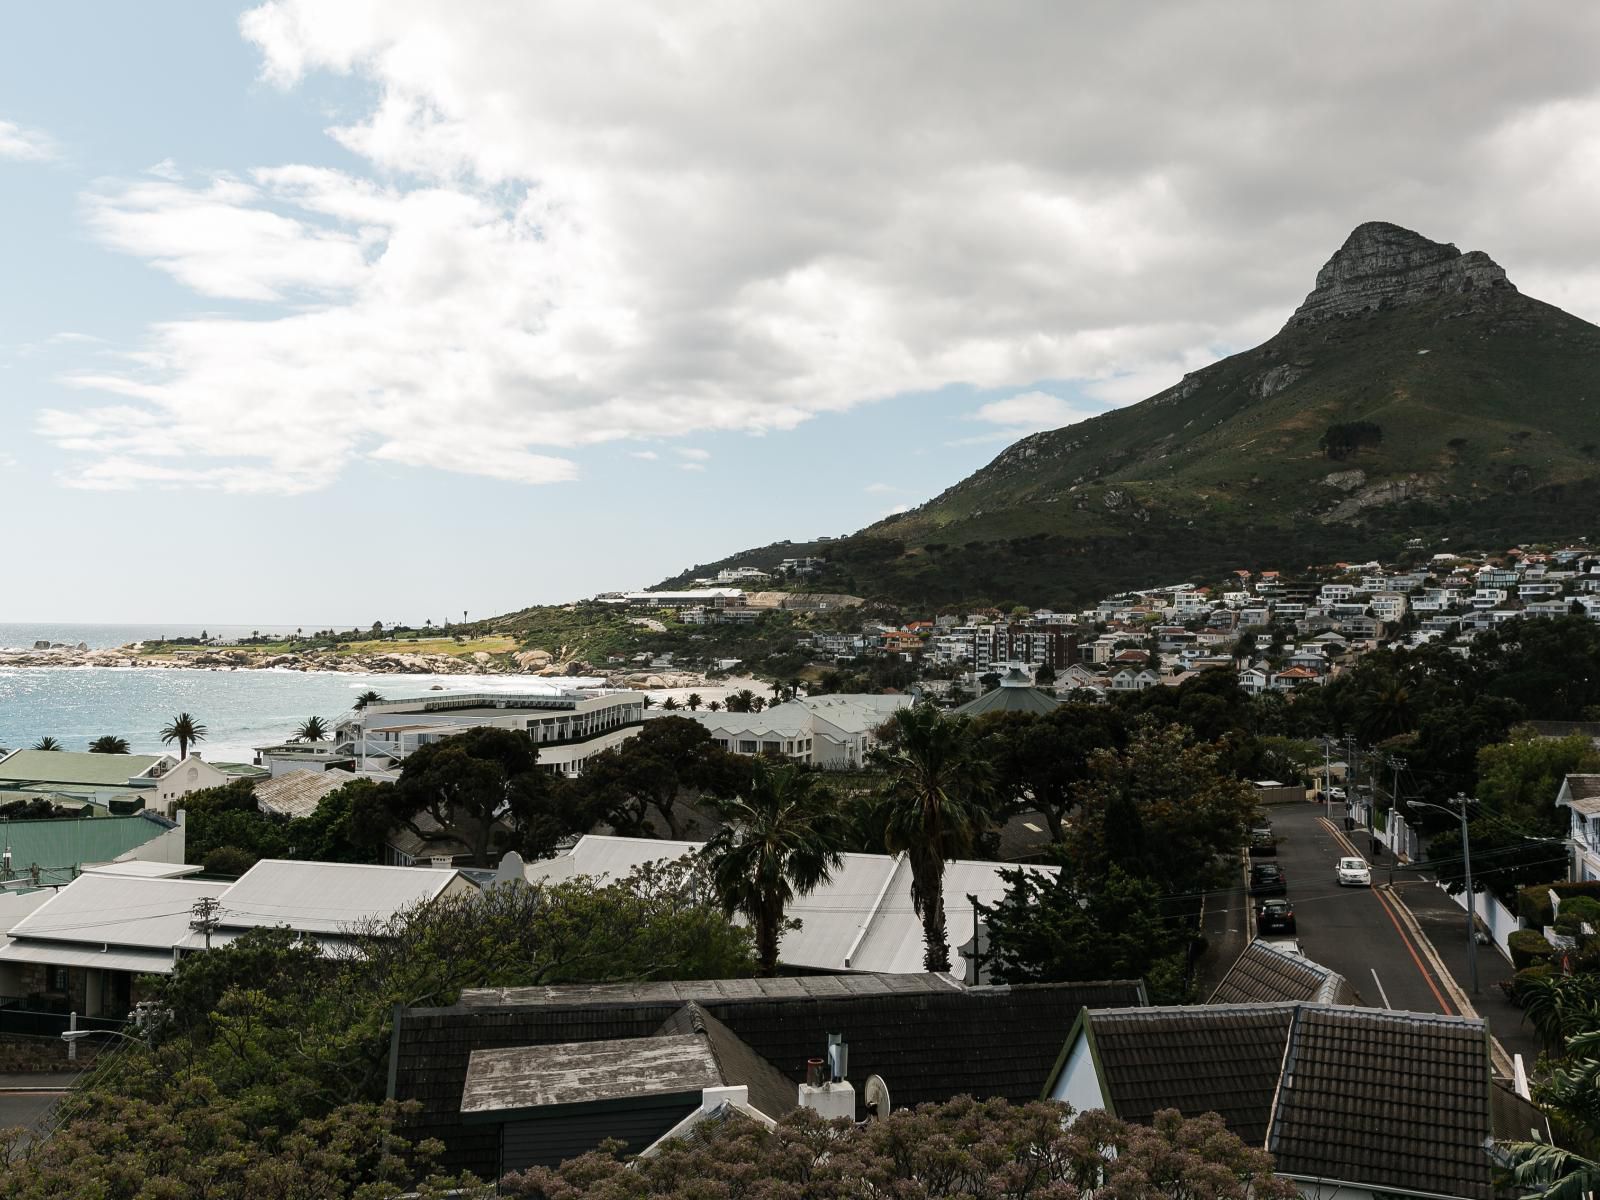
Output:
[[771, 1092], [1584, 787], [1394, 1100], [1200, 1059], [1391, 1101], [929, 1038], [1266, 975]]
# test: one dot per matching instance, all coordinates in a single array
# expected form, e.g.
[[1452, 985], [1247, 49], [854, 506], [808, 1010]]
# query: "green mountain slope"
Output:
[[1416, 393]]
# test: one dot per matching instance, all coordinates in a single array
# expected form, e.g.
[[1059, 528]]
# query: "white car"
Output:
[[1354, 872]]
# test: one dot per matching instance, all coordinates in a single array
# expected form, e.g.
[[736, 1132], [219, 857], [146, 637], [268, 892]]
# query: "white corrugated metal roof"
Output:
[[615, 857], [321, 897], [860, 920], [140, 869], [16, 905], [57, 954], [117, 910]]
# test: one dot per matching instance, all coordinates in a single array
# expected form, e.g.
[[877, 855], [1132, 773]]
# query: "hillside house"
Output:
[[1580, 796]]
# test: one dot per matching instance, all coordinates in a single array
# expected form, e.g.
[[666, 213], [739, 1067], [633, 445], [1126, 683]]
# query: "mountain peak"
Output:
[[1383, 266]]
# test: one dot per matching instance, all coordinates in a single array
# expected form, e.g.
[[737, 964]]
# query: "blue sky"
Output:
[[318, 312]]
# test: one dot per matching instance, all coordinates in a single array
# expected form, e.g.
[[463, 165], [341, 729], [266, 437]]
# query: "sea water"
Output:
[[241, 709]]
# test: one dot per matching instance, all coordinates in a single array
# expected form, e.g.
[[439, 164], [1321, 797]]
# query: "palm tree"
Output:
[[312, 730], [757, 703], [715, 706], [669, 705], [368, 697], [184, 730], [781, 839], [933, 808], [740, 701], [47, 743], [109, 744], [693, 701]]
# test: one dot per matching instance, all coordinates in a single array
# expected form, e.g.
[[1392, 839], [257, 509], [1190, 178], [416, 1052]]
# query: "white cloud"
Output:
[[896, 510], [691, 466], [692, 453], [576, 225], [1034, 410], [880, 488], [165, 169], [25, 145], [646, 455]]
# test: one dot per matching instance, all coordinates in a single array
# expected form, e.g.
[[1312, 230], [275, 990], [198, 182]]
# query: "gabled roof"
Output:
[[1222, 1059], [72, 766], [770, 1091], [1263, 974], [929, 1038], [297, 793], [61, 846], [1380, 1100], [1582, 793], [1400, 1100], [117, 922], [322, 897]]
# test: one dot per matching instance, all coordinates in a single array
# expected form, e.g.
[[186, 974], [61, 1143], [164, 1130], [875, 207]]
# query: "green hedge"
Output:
[[1520, 981], [1528, 947], [1533, 903]]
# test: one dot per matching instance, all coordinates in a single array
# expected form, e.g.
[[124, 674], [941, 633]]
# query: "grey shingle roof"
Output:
[[1218, 1059], [771, 1092], [1584, 793], [1398, 1100], [1263, 974], [929, 1038]]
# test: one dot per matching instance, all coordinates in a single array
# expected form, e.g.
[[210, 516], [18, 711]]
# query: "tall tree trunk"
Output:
[[935, 941], [768, 924]]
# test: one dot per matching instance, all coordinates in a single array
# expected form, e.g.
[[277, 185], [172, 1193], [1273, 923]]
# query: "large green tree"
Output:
[[782, 836], [668, 760], [109, 744], [483, 786], [1038, 759], [934, 805]]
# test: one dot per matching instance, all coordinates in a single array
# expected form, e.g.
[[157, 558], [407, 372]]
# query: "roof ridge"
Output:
[[1285, 1069]]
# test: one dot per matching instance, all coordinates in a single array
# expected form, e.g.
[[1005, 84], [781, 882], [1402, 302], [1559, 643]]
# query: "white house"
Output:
[[1580, 796], [833, 732], [569, 725]]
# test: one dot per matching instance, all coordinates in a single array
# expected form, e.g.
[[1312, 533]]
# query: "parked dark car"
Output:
[[1274, 916], [1262, 843], [1267, 879]]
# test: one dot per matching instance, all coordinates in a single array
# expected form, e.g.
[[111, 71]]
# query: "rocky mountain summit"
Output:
[[1416, 397], [1383, 266]]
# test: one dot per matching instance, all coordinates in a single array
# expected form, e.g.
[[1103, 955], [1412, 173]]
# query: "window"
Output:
[[746, 747], [771, 747], [722, 743]]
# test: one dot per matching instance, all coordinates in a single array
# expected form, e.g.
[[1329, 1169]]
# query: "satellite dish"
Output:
[[876, 1096]]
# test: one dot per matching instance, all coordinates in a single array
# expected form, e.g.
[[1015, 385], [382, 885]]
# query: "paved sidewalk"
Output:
[[1444, 923], [39, 1081]]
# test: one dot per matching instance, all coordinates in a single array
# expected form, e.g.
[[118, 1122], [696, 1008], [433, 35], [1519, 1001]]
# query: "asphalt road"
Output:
[[26, 1109], [1353, 931]]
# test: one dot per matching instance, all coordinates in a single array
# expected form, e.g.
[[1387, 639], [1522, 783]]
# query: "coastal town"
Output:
[[1259, 704], [799, 602]]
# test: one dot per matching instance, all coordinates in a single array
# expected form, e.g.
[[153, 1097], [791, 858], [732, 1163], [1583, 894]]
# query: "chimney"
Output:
[[826, 1091]]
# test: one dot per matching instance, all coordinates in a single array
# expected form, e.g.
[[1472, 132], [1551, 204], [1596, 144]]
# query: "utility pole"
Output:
[[1327, 779], [1472, 900], [1396, 764], [203, 918]]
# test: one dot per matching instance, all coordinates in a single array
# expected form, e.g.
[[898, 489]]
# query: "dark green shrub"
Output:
[[1533, 903], [1522, 978], [1528, 947]]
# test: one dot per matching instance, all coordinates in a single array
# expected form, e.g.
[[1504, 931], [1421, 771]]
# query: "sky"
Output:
[[340, 310]]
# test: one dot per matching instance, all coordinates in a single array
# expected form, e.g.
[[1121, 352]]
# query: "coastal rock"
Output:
[[1384, 266]]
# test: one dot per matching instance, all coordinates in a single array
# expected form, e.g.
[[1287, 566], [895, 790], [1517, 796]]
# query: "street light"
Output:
[[73, 1036], [1462, 800]]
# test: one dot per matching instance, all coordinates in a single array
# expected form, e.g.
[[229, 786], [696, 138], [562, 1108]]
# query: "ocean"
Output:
[[240, 709]]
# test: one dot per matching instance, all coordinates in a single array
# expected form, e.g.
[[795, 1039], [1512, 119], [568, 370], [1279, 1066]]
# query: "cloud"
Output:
[[565, 226], [165, 169], [1036, 410], [880, 488], [25, 145], [647, 455], [692, 453], [691, 466]]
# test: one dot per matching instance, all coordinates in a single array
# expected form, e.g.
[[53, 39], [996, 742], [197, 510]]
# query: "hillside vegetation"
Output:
[[1415, 394]]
